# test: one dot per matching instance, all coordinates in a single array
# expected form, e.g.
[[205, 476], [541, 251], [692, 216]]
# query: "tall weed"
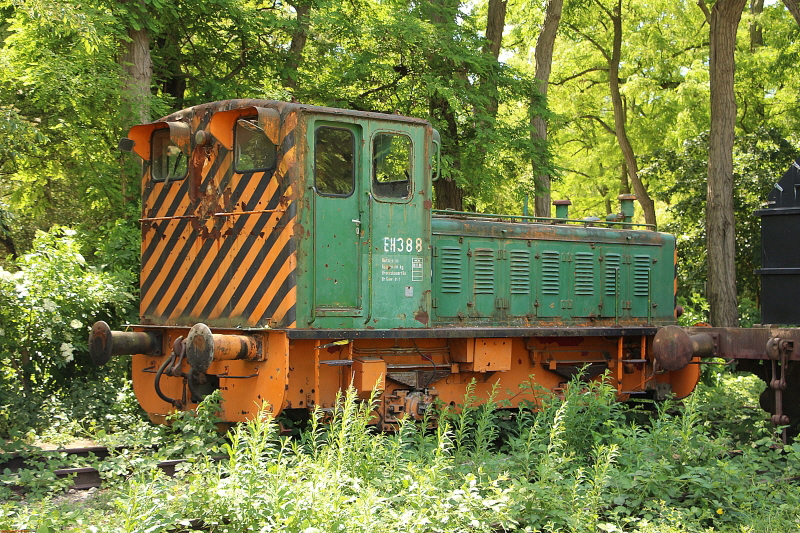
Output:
[[578, 463]]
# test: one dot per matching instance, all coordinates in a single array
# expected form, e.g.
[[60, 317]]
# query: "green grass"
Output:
[[582, 464]]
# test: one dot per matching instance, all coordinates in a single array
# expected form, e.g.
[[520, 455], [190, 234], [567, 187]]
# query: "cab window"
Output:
[[253, 149], [391, 165], [334, 157], [168, 162]]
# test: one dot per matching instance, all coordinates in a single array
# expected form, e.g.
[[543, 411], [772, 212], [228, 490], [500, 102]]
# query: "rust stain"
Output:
[[422, 317], [567, 341], [227, 200], [199, 156], [427, 204]]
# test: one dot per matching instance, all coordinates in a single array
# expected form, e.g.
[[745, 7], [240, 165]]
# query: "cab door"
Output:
[[338, 230], [398, 210]]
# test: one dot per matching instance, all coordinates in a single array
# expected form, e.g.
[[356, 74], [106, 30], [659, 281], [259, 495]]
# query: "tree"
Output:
[[794, 8], [723, 20], [612, 58], [136, 63], [544, 63], [759, 159]]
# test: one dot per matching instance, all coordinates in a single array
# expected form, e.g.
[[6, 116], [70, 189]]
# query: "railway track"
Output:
[[82, 477]]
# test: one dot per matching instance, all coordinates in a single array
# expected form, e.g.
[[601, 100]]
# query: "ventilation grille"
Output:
[[612, 262], [551, 266], [520, 271], [484, 270], [584, 274], [641, 275], [451, 269]]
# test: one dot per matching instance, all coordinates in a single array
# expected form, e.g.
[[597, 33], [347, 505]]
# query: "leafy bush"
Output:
[[579, 463], [46, 306]]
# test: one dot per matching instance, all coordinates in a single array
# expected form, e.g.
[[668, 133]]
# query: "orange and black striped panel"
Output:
[[226, 257]]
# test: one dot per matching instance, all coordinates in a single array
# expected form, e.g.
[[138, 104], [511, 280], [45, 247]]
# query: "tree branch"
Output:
[[704, 8], [600, 121], [603, 8], [579, 74], [591, 40]]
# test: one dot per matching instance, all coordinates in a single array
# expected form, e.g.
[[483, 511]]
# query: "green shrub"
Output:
[[46, 307], [579, 463]]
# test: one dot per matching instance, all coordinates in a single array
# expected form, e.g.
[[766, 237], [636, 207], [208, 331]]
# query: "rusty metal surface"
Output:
[[674, 348], [103, 343], [467, 332], [285, 107], [748, 343], [491, 227], [218, 247], [617, 220], [203, 347]]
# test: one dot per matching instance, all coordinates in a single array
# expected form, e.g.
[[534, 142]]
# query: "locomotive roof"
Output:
[[284, 107]]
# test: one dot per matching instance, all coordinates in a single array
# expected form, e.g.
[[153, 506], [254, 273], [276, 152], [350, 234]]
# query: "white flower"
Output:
[[49, 305], [76, 324], [48, 333], [66, 351]]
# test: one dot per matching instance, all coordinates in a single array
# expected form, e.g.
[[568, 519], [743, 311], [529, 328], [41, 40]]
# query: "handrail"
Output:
[[546, 220]]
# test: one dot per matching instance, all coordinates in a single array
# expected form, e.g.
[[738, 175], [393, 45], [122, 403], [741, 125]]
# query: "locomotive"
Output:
[[291, 251]]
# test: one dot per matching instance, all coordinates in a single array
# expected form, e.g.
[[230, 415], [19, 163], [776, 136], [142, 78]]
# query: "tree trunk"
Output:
[[302, 11], [756, 42], [138, 68], [449, 195], [495, 22], [619, 120], [756, 30], [794, 9], [174, 79], [624, 183], [543, 56], [720, 232]]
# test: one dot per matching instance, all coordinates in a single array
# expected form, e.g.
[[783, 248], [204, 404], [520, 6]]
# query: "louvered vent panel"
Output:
[[451, 269], [641, 275], [520, 271], [584, 274], [484, 270], [551, 267], [612, 262]]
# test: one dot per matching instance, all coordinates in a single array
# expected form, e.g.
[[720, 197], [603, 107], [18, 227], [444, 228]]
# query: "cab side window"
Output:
[[168, 162], [253, 149], [391, 165], [334, 158]]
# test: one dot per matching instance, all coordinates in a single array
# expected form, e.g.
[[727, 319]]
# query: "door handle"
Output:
[[358, 226]]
